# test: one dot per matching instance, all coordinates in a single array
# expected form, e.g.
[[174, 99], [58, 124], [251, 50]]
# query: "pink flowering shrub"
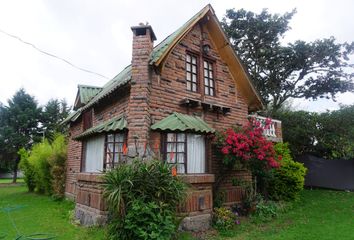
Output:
[[250, 147]]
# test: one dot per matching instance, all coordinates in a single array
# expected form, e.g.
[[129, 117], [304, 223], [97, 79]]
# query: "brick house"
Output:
[[166, 103]]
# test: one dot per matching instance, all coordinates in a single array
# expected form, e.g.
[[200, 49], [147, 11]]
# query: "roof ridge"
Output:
[[89, 86]]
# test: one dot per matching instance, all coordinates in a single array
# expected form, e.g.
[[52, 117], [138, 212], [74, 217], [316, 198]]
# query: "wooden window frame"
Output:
[[197, 83], [164, 150], [121, 153], [210, 67]]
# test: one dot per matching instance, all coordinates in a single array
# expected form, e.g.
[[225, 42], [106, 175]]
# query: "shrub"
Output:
[[27, 169], [287, 181], [39, 159], [141, 197], [249, 147], [149, 221], [224, 218], [58, 165], [44, 166], [265, 211]]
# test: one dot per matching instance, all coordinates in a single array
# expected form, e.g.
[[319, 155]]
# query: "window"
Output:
[[93, 154], [87, 119], [209, 88], [192, 73], [176, 150], [103, 152], [114, 149], [186, 151]]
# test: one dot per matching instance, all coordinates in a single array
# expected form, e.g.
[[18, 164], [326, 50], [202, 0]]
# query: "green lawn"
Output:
[[320, 214], [39, 214], [9, 180]]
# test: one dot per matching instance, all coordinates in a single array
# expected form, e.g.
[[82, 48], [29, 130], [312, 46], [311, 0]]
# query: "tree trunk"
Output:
[[14, 179]]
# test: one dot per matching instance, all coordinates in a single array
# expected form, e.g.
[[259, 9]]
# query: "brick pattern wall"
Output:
[[169, 90], [139, 109], [74, 159], [112, 106]]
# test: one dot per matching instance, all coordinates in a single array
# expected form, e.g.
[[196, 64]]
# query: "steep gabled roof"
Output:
[[122, 78], [163, 49], [223, 46], [84, 94]]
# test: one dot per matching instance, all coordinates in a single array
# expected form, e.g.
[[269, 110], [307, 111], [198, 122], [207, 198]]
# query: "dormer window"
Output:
[[192, 73], [209, 85]]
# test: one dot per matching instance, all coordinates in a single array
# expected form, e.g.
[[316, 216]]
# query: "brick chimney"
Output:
[[139, 103]]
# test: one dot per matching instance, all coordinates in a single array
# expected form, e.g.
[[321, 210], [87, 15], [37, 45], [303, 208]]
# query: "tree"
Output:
[[309, 70], [54, 112], [299, 130], [19, 127]]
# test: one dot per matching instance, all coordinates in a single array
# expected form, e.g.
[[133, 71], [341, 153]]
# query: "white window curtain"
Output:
[[94, 153], [195, 153]]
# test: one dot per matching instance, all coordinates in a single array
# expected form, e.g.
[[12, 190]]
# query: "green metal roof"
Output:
[[87, 92], [119, 80], [182, 122], [72, 116], [163, 46], [114, 124]]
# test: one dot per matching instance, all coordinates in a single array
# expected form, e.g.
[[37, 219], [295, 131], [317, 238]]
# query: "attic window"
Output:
[[209, 85], [140, 32], [191, 73]]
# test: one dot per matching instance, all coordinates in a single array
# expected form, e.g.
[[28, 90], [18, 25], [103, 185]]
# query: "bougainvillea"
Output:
[[249, 145]]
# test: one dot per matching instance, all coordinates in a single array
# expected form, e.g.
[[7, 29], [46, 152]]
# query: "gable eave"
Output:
[[221, 41]]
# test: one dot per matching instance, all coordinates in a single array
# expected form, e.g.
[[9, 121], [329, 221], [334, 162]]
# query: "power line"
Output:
[[52, 55]]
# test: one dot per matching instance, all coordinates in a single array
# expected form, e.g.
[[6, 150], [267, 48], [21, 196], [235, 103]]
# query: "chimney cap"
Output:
[[142, 26]]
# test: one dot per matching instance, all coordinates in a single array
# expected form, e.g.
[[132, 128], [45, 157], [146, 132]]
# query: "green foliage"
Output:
[[265, 211], [27, 169], [300, 69], [299, 130], [57, 162], [329, 135], [129, 185], [54, 112], [224, 218], [19, 127], [335, 134], [44, 166], [286, 182], [39, 159], [148, 220]]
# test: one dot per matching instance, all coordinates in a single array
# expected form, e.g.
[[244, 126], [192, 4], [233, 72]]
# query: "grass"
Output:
[[9, 180], [39, 214], [319, 214]]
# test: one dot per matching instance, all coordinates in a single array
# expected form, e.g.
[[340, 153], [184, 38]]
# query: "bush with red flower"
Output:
[[249, 147]]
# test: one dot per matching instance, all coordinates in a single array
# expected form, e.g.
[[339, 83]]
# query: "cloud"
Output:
[[97, 36]]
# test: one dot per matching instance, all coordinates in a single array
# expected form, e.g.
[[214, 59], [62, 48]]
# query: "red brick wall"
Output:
[[139, 107], [169, 90], [167, 93], [152, 103], [74, 159], [112, 106]]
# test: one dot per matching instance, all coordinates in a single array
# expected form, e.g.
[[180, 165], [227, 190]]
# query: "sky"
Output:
[[96, 35]]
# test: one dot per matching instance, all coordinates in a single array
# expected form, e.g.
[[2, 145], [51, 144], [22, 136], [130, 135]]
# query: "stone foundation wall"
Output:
[[91, 208]]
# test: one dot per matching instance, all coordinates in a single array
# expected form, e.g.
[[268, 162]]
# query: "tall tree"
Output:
[[54, 112], [309, 70], [20, 126]]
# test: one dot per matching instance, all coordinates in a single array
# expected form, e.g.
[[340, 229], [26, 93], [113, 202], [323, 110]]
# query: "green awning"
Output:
[[114, 124], [182, 122]]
